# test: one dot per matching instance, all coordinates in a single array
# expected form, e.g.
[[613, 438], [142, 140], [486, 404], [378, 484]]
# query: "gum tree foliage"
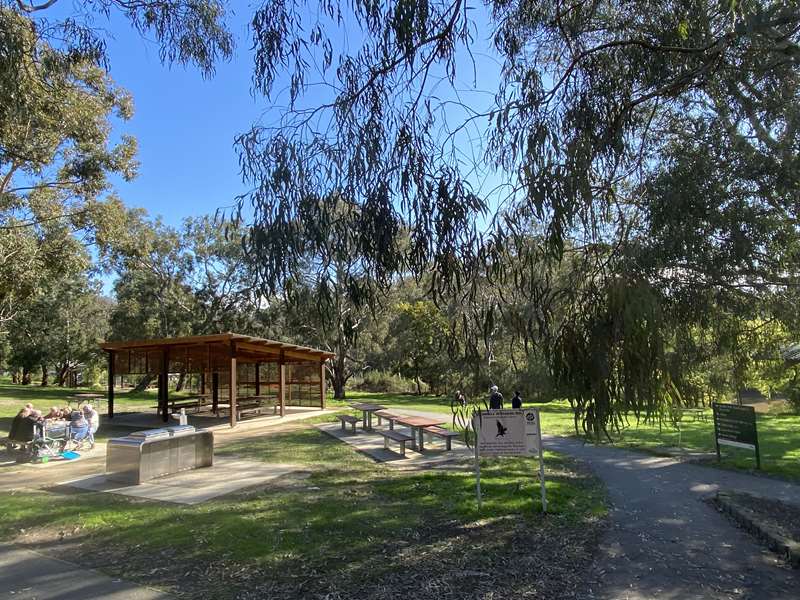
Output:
[[653, 143], [56, 105], [326, 296], [60, 329], [419, 338]]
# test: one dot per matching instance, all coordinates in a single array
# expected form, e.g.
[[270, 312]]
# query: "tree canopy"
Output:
[[650, 148]]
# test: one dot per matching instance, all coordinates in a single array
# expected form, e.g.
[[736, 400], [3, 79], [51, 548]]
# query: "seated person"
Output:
[[17, 421], [79, 426], [25, 431], [91, 416], [55, 413]]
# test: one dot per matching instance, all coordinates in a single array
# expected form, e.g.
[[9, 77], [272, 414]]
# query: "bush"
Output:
[[383, 381], [792, 391]]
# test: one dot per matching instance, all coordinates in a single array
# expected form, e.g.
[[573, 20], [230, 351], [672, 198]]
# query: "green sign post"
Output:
[[735, 425]]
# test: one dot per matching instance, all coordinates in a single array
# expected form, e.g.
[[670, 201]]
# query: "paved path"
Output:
[[666, 543], [27, 575]]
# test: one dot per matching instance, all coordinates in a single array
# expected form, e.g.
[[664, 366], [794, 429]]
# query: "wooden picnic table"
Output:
[[84, 396], [367, 409], [417, 425]]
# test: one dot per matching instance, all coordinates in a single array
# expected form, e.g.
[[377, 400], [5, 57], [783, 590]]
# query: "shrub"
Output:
[[383, 381]]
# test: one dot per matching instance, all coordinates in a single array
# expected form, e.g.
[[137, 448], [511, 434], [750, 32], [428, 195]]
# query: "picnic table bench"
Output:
[[388, 415], [348, 419], [196, 404], [398, 437], [695, 413], [367, 409], [443, 433]]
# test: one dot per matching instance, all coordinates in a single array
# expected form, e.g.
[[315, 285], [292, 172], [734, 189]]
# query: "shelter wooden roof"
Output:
[[243, 344]]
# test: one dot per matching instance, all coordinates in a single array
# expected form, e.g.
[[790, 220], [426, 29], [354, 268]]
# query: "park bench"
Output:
[[388, 415], [443, 433], [395, 436], [252, 410], [348, 419], [195, 404], [697, 414]]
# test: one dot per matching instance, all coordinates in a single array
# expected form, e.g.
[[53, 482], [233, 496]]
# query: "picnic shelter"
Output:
[[238, 374]]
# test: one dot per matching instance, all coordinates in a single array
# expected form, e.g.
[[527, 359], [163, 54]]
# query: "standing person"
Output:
[[495, 398], [93, 419], [516, 401]]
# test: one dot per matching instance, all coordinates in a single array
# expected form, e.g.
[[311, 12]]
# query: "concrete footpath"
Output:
[[28, 575], [665, 542]]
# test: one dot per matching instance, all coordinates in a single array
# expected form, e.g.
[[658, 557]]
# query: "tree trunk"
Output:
[[419, 386], [26, 376], [14, 376], [144, 382], [62, 374], [181, 381], [45, 381]]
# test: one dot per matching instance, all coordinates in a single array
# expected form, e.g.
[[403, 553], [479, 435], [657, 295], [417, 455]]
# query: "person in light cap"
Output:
[[91, 416], [495, 398]]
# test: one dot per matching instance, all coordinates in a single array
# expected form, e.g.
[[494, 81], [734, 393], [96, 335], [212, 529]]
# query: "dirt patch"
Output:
[[502, 558], [775, 523]]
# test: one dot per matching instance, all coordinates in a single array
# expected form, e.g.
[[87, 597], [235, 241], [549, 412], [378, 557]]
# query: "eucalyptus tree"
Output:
[[60, 329], [57, 103], [655, 142], [419, 339], [220, 276]]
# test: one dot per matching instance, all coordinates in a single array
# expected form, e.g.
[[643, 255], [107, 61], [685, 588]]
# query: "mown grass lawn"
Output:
[[334, 531], [778, 434]]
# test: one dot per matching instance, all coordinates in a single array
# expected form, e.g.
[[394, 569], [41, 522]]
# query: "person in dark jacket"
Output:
[[17, 422], [516, 401], [25, 429], [495, 398]]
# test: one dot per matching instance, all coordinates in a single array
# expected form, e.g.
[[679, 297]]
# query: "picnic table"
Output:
[[417, 425], [367, 409], [83, 397]]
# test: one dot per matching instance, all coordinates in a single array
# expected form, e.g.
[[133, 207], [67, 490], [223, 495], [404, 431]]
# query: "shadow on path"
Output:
[[666, 542], [29, 575]]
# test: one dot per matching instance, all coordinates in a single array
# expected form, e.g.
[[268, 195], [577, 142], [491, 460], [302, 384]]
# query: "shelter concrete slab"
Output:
[[28, 575], [371, 444], [193, 487], [148, 420]]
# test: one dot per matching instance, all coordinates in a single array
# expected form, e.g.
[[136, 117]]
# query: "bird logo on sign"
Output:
[[501, 429]]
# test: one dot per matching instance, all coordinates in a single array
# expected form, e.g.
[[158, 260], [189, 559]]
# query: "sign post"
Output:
[[477, 427], [735, 426], [516, 432]]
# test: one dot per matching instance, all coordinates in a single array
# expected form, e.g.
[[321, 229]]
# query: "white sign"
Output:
[[514, 432], [508, 432]]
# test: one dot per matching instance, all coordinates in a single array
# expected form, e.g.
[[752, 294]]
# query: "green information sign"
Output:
[[735, 425]]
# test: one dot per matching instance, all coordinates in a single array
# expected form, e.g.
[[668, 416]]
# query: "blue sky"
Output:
[[185, 125]]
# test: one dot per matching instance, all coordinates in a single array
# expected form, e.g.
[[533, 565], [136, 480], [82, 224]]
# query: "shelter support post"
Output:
[[232, 387], [164, 381], [111, 385], [282, 387], [322, 385], [215, 393], [258, 379], [202, 383]]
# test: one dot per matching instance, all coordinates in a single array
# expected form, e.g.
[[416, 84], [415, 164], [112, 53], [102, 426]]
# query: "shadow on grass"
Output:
[[352, 523]]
